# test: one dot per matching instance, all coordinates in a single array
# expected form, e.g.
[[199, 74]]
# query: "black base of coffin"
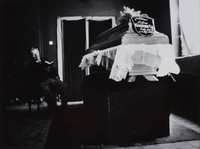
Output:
[[139, 114], [121, 112]]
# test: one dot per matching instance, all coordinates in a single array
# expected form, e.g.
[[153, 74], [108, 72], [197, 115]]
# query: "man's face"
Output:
[[35, 54]]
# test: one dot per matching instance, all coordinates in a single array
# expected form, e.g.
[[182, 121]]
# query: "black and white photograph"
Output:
[[100, 74]]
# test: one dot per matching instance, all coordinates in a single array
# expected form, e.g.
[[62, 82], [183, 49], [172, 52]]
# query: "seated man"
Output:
[[45, 76]]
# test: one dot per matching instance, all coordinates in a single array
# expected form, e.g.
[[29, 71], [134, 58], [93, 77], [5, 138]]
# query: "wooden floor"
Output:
[[177, 145]]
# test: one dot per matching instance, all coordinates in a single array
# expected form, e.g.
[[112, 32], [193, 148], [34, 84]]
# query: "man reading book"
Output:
[[45, 76]]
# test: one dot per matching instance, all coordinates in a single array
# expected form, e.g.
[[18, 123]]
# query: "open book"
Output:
[[48, 63]]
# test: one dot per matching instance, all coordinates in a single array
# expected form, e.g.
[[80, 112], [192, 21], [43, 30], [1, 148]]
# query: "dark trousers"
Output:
[[52, 87]]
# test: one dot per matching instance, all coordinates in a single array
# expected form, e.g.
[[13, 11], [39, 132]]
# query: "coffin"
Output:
[[147, 55], [124, 111], [124, 34]]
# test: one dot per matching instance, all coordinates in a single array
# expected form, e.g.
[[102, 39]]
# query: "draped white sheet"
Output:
[[134, 59]]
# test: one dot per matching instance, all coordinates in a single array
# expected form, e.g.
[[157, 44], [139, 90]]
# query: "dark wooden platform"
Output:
[[125, 112]]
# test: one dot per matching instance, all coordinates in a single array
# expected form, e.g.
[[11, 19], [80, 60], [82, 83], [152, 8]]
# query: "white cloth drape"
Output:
[[126, 57]]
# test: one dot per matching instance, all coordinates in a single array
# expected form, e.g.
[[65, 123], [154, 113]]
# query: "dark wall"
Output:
[[1, 44], [1, 73], [51, 9], [186, 101], [21, 29]]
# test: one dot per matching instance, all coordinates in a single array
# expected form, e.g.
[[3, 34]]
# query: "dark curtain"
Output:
[[97, 27], [74, 46]]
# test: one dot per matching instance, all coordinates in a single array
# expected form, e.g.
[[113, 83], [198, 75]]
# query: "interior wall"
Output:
[[1, 45], [1, 74], [21, 26]]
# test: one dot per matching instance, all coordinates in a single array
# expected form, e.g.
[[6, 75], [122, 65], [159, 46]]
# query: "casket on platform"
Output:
[[128, 99]]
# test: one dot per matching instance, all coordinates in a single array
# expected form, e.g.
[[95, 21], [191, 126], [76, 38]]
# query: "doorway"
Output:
[[74, 36]]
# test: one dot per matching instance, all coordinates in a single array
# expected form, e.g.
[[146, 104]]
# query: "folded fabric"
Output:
[[88, 60], [159, 56], [167, 63], [135, 59]]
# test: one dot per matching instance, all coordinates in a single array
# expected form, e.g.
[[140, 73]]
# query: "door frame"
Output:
[[60, 43]]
